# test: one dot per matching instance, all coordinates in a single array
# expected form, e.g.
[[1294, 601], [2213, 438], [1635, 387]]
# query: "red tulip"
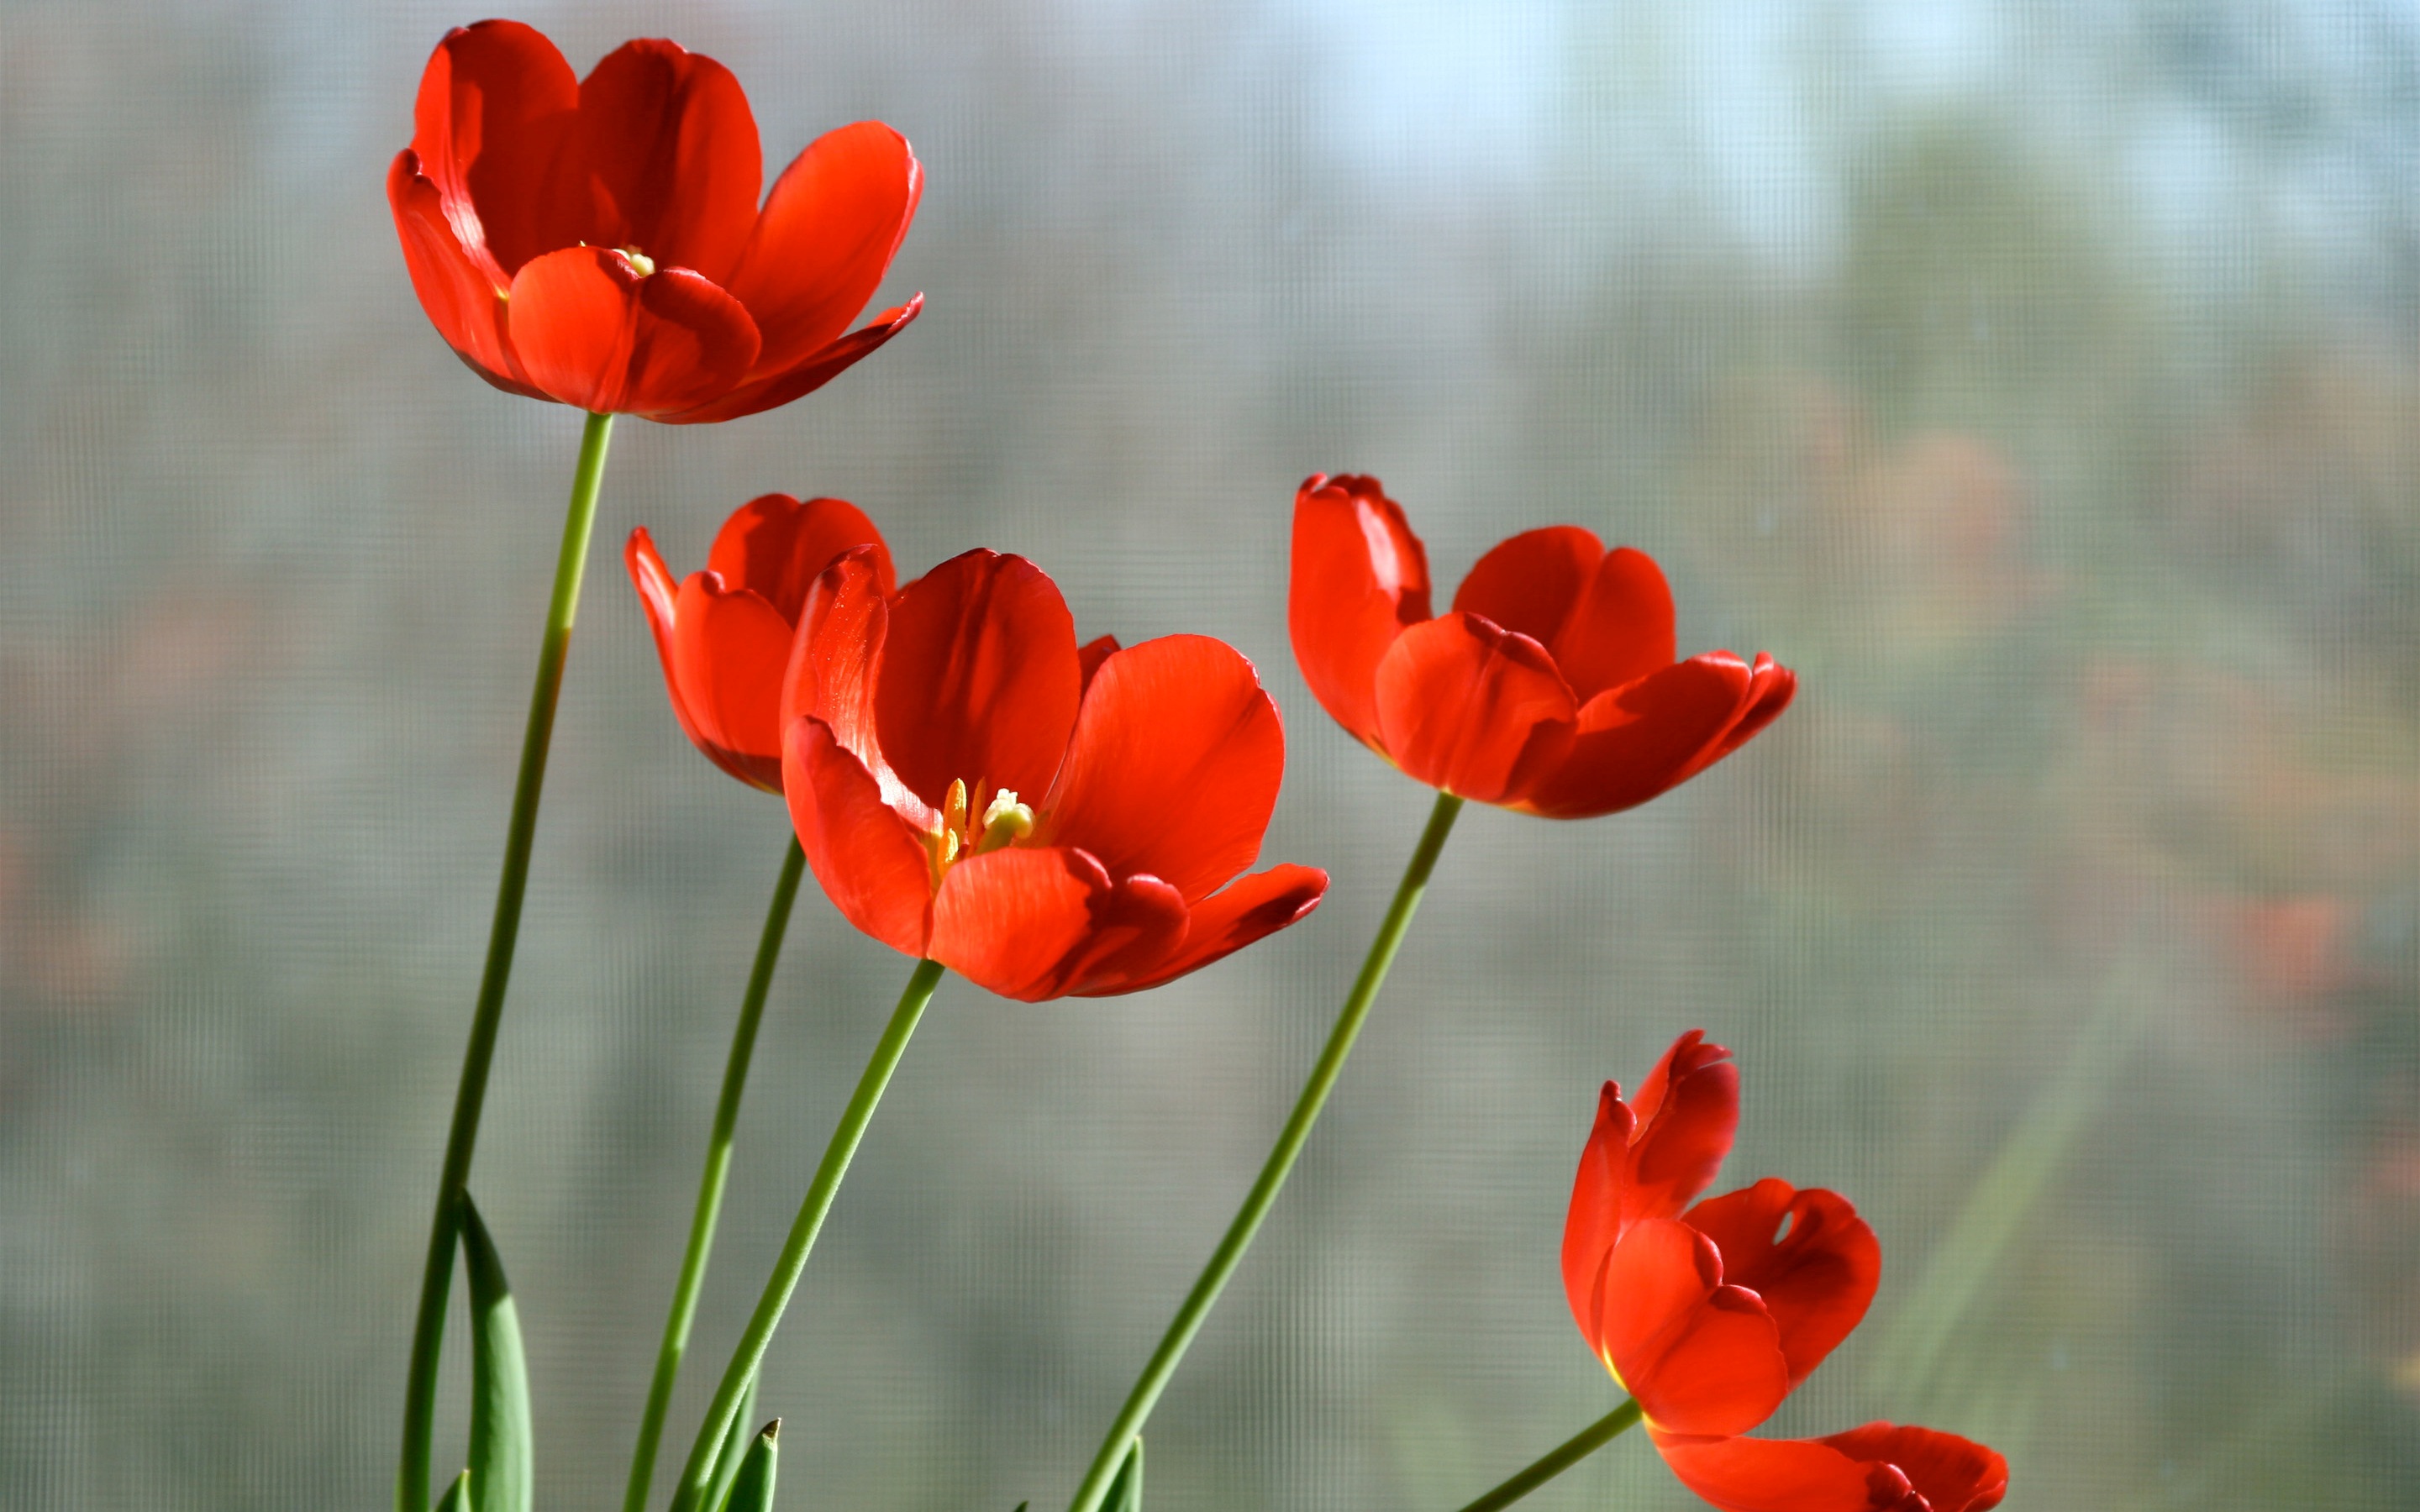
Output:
[[1710, 1314], [1705, 1315], [598, 242], [1550, 687], [726, 634], [972, 787]]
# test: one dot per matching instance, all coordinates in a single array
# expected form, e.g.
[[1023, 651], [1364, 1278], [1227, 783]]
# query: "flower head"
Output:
[[1711, 1312], [726, 634], [1045, 819], [598, 242], [1550, 687]]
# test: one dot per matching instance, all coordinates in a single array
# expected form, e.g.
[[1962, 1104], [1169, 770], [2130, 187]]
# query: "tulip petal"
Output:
[[1646, 1160], [495, 104], [1770, 1476], [1878, 1468], [459, 294], [1622, 628], [1592, 1225], [829, 230], [1470, 708], [730, 649], [842, 627], [1951, 1474], [1359, 577], [664, 160], [1251, 909], [803, 377], [1138, 923], [870, 862], [980, 678], [1634, 742], [1091, 655], [591, 332], [777, 547], [1688, 1110], [692, 340], [1816, 1282], [658, 597], [1530, 583], [1009, 919], [1701, 1357], [1771, 686], [1174, 766]]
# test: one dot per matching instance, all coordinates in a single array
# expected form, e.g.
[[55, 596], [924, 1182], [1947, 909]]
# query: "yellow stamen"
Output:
[[1003, 822], [640, 260]]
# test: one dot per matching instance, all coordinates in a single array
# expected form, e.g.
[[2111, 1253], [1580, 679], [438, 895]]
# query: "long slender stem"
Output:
[[1587, 1441], [1257, 1203], [428, 1328], [710, 1186], [809, 1222]]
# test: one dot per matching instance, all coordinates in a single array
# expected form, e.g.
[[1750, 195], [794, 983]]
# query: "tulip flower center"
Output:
[[969, 831], [638, 260]]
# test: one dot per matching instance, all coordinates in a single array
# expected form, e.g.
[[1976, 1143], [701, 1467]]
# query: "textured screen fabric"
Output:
[[2039, 379]]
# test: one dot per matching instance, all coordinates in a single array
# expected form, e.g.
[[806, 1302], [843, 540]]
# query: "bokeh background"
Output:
[[2039, 378]]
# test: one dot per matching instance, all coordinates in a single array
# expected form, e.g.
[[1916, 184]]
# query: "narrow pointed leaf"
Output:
[[457, 1496], [734, 1448], [1125, 1493], [501, 1468], [752, 1492]]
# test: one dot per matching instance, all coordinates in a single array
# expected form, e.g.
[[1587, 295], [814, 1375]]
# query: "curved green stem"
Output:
[[428, 1328], [1257, 1203], [1559, 1459], [786, 1270], [710, 1186]]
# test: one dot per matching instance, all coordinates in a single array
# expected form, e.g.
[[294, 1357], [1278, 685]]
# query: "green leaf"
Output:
[[752, 1492], [734, 1448], [1125, 1493], [457, 1496], [500, 1462]]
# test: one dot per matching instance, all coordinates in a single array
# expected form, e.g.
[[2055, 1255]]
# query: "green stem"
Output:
[[1561, 1458], [710, 1186], [1247, 1223], [429, 1328], [820, 1191]]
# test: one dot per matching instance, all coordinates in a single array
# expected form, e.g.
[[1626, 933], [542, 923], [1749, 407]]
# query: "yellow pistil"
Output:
[[640, 260], [1003, 822]]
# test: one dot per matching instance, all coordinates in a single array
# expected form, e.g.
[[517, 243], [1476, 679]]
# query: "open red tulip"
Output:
[[598, 242], [726, 634], [1549, 688], [1711, 1312], [972, 787]]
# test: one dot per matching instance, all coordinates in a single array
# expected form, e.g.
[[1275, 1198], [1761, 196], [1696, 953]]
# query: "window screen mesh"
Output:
[[2038, 380]]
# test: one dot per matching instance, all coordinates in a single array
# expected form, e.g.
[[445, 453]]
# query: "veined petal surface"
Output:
[[1173, 767], [980, 678], [1358, 578]]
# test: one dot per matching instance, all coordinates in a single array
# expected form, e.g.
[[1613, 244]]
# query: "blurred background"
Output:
[[2039, 378]]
